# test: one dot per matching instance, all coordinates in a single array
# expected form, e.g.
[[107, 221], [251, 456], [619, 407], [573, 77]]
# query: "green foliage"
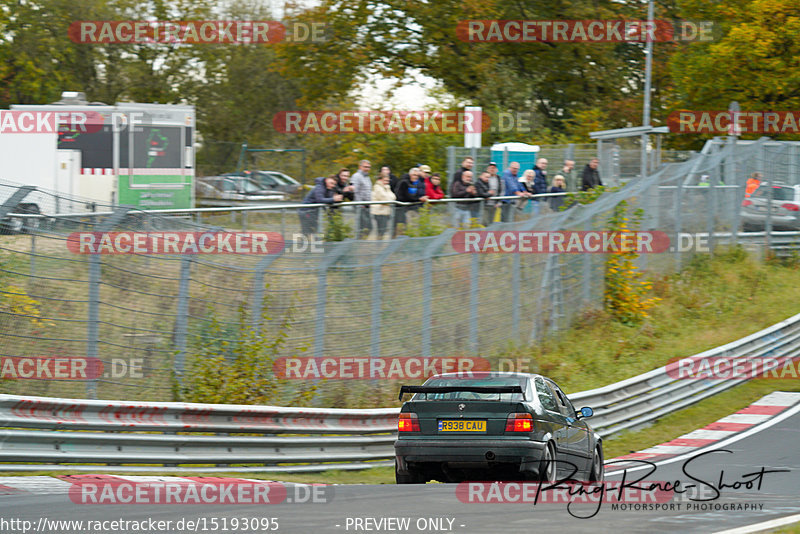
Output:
[[425, 225], [337, 229], [625, 295], [232, 364], [757, 40], [399, 39]]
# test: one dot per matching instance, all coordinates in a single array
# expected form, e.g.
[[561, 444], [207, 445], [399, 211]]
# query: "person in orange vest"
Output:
[[752, 183]]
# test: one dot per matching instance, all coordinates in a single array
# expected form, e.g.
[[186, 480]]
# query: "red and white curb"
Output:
[[759, 412]]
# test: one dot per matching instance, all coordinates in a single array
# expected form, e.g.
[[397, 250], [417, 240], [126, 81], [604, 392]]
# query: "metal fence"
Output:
[[367, 298]]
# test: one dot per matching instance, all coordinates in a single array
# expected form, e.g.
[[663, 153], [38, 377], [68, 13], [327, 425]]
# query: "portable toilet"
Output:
[[505, 153]]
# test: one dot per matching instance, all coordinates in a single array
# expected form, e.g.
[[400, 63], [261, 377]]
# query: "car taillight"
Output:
[[790, 207], [519, 422], [408, 422], [746, 202]]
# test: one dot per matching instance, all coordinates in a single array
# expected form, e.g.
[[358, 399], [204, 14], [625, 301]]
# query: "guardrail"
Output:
[[64, 431]]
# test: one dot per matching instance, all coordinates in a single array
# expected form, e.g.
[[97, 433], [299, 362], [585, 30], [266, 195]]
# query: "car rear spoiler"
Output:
[[450, 389]]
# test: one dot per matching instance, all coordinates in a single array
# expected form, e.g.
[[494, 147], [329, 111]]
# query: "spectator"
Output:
[[386, 170], [566, 172], [752, 183], [362, 190], [527, 182], [484, 189], [343, 186], [511, 186], [539, 183], [324, 192], [410, 189], [432, 188], [559, 186], [464, 188], [382, 212], [466, 165], [591, 176], [496, 185]]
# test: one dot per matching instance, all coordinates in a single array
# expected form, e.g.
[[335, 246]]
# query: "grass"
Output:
[[715, 300]]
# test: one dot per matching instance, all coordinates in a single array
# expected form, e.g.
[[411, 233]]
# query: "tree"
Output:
[[396, 38], [754, 59]]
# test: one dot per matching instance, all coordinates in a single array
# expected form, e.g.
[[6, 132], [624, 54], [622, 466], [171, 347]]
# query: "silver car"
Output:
[[233, 190], [780, 201]]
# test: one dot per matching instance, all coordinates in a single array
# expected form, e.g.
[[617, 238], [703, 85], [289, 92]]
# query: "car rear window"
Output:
[[778, 193], [471, 395]]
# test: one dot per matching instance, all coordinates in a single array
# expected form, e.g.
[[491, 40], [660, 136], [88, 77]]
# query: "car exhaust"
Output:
[[490, 456]]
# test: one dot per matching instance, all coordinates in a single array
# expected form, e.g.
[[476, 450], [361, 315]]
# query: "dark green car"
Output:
[[494, 426]]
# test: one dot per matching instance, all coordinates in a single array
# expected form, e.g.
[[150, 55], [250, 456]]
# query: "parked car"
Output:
[[494, 426], [216, 190], [273, 180], [780, 201], [20, 225]]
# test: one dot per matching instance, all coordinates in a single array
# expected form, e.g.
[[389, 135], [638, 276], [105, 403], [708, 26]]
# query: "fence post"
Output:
[[515, 300], [473, 304], [93, 325], [182, 316], [33, 259], [427, 267], [257, 304], [586, 286], [337, 251], [377, 278]]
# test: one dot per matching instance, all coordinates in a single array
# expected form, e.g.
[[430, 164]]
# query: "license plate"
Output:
[[462, 426]]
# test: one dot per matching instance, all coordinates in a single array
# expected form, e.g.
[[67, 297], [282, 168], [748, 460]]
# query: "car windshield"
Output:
[[471, 395], [778, 193], [266, 179], [248, 186]]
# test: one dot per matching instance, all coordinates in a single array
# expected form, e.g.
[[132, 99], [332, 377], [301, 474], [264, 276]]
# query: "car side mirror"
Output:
[[584, 413]]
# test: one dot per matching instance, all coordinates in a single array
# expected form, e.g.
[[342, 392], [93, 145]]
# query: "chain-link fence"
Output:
[[147, 316]]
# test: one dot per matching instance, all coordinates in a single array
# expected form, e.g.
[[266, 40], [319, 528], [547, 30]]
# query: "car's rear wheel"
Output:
[[412, 477], [547, 467], [597, 472]]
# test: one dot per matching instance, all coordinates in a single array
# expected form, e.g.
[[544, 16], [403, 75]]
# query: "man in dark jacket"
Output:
[[466, 165], [539, 182], [410, 189], [483, 186], [591, 176], [324, 192], [464, 188], [343, 186]]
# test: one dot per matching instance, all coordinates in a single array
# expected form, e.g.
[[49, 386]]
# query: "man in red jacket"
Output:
[[432, 188]]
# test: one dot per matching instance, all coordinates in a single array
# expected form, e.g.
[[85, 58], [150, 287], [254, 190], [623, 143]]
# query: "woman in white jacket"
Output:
[[382, 212]]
